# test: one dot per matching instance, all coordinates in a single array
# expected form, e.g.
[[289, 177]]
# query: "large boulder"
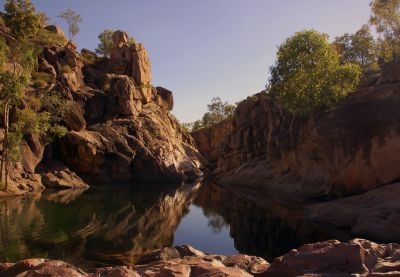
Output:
[[334, 258]]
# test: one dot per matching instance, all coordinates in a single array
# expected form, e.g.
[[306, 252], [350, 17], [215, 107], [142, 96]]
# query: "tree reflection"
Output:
[[215, 221]]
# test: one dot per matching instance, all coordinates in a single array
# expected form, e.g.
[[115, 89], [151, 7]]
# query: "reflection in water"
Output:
[[267, 229], [103, 226], [114, 225]]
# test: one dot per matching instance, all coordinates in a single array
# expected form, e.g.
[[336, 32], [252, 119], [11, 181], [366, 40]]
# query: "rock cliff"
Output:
[[350, 149], [120, 126]]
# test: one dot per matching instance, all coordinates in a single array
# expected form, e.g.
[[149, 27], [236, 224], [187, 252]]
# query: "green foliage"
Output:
[[73, 19], [22, 19], [385, 16], [49, 38], [358, 48], [197, 125], [66, 69], [41, 79], [217, 111], [54, 105], [46, 77], [306, 73], [105, 45]]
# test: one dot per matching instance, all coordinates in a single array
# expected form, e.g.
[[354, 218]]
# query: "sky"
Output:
[[201, 49]]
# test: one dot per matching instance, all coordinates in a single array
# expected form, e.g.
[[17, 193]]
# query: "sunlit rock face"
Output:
[[352, 148], [120, 125]]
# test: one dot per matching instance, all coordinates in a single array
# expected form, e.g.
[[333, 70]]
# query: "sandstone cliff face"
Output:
[[352, 148], [120, 125]]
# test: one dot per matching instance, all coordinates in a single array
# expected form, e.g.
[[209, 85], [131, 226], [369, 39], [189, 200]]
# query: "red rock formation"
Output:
[[354, 147]]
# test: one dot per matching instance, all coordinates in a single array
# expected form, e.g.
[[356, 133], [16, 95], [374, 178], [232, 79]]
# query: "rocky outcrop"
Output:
[[329, 258], [120, 126], [374, 214], [352, 148]]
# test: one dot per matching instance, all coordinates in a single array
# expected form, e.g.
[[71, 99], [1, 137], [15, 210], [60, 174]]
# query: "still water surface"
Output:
[[115, 225]]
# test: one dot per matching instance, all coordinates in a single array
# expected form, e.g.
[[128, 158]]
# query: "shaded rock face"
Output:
[[374, 214], [120, 126], [352, 148], [329, 258]]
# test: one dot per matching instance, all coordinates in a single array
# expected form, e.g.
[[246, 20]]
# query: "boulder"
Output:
[[56, 30], [131, 60], [164, 98], [73, 117], [63, 179], [334, 258]]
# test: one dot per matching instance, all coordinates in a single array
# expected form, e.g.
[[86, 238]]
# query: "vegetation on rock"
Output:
[[217, 111], [106, 44], [308, 75]]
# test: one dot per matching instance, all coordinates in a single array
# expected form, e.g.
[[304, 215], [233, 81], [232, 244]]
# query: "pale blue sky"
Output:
[[200, 49]]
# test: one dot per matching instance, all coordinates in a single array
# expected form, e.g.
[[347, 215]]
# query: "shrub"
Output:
[[66, 69], [49, 38]]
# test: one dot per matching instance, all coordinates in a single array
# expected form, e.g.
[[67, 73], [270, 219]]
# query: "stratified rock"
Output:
[[63, 179], [334, 258], [374, 214], [352, 148]]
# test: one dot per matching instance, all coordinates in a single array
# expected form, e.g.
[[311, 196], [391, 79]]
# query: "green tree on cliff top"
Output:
[[307, 74]]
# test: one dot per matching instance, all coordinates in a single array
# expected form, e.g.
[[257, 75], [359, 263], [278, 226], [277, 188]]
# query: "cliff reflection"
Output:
[[104, 226], [258, 226]]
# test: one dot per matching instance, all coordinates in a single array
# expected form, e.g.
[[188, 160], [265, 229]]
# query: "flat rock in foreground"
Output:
[[357, 257]]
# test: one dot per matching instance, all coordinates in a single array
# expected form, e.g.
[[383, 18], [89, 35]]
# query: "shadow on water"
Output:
[[116, 224], [258, 226]]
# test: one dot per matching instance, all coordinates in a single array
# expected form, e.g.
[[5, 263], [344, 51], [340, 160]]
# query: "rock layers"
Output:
[[350, 149]]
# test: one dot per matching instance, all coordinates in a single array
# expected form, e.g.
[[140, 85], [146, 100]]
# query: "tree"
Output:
[[217, 111], [307, 74], [359, 48], [106, 44], [385, 16], [13, 79], [73, 19], [22, 19]]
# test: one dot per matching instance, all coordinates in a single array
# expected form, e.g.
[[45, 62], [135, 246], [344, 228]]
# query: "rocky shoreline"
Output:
[[357, 257]]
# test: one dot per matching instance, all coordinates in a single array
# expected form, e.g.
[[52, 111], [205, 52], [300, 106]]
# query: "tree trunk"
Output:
[[4, 157]]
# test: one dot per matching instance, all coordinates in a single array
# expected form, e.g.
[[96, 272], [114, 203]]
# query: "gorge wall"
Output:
[[352, 148], [120, 126]]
